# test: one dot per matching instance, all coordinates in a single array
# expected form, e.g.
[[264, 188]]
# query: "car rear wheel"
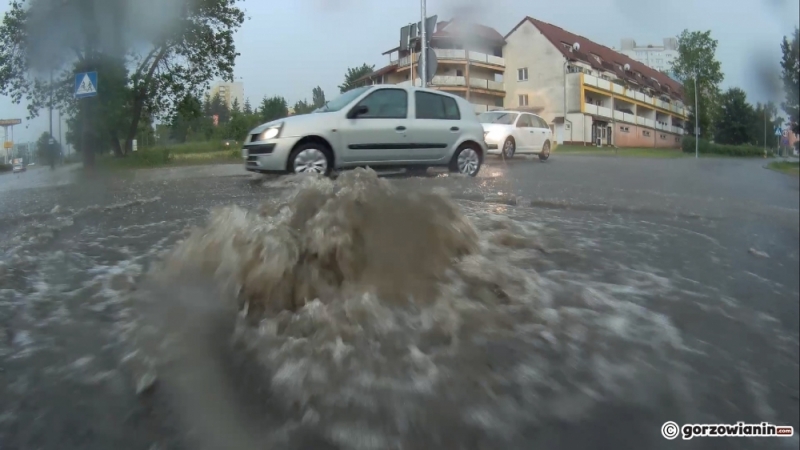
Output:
[[545, 153], [467, 160], [311, 158], [509, 148]]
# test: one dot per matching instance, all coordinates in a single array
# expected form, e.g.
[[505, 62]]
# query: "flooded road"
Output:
[[566, 305]]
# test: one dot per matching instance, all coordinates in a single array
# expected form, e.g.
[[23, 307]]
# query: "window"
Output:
[[664, 136], [435, 106], [522, 74], [645, 133], [624, 129], [386, 104], [498, 101], [524, 121], [343, 100], [538, 122], [459, 73], [523, 100]]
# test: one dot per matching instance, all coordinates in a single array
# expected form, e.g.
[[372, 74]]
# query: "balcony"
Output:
[[606, 85], [595, 110], [478, 83], [455, 55]]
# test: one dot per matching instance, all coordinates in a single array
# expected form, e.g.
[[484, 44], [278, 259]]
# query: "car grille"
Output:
[[262, 149]]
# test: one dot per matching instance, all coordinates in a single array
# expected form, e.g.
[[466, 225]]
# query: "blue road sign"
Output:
[[778, 131], [85, 84]]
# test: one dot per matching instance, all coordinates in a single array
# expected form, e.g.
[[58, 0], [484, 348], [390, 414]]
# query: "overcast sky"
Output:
[[288, 47]]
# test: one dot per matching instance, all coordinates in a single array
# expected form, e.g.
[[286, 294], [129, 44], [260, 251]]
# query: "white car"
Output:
[[378, 126], [510, 132], [18, 168]]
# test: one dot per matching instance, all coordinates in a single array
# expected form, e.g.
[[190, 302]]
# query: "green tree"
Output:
[[248, 110], [735, 123], [353, 74], [791, 78], [188, 119], [303, 107], [765, 119], [235, 107], [697, 61], [187, 47], [273, 108], [47, 149], [317, 98]]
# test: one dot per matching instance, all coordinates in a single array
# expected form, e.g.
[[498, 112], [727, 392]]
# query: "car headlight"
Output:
[[271, 133]]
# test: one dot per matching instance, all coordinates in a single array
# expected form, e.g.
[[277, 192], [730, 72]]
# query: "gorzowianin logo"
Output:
[[671, 430]]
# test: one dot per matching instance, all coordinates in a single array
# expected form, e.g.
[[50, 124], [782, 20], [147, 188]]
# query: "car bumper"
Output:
[[267, 156], [492, 146]]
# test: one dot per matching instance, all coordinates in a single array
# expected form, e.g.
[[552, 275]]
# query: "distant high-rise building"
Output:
[[658, 57], [229, 92]]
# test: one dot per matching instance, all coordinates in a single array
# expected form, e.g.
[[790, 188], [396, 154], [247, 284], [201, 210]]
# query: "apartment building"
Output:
[[589, 93], [659, 57], [228, 92], [470, 64]]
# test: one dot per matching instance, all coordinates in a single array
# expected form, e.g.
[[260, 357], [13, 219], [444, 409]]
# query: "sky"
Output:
[[289, 47]]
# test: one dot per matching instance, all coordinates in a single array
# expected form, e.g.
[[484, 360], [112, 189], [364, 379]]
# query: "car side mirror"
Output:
[[359, 110]]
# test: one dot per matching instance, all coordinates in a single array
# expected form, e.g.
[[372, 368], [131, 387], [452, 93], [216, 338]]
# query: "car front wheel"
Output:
[[467, 160], [545, 153], [311, 159]]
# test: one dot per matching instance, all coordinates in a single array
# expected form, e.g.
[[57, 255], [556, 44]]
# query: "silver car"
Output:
[[377, 126]]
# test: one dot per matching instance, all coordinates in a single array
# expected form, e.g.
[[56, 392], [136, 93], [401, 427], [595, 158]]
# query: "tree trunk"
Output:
[[118, 151], [138, 107]]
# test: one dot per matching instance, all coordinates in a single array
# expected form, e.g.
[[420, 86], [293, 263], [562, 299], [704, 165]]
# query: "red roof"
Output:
[[457, 27], [608, 57], [382, 71]]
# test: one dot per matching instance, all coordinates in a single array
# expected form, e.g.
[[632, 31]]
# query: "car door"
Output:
[[542, 132], [436, 127], [523, 134], [377, 135]]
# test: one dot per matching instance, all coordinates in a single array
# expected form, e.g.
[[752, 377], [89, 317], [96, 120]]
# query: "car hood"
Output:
[[490, 127], [290, 121]]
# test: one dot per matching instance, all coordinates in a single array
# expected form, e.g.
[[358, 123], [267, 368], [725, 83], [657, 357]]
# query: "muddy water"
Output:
[[353, 315]]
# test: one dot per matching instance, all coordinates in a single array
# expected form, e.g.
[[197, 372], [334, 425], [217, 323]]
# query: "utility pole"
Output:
[[696, 129], [424, 47], [50, 108]]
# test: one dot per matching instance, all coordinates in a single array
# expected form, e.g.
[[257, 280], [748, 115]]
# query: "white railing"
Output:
[[639, 96], [629, 118], [443, 80], [604, 84], [662, 104], [444, 53], [629, 93], [496, 60], [618, 89], [589, 108], [640, 120], [478, 83], [590, 80], [619, 115], [649, 123], [648, 99], [603, 111], [495, 85], [677, 130]]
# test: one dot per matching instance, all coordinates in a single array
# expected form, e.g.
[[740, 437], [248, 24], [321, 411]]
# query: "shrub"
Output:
[[6, 168], [709, 148]]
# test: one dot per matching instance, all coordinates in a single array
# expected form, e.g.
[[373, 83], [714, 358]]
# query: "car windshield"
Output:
[[342, 100], [502, 118]]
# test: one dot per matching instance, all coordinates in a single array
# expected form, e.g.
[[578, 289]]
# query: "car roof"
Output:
[[415, 88]]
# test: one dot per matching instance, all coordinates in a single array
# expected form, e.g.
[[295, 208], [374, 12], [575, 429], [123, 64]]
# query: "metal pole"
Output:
[[424, 48], [696, 134], [50, 108]]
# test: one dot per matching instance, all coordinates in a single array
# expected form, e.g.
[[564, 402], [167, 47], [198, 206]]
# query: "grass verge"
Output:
[[623, 152], [165, 157], [787, 167]]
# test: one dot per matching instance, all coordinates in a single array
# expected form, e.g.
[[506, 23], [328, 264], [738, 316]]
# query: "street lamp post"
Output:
[[423, 46], [696, 129]]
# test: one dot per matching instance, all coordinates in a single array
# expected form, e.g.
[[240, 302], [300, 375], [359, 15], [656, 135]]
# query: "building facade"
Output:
[[659, 57], [470, 64], [228, 92], [588, 93]]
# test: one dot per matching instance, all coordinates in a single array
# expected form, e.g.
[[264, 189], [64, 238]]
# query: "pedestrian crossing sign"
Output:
[[85, 84]]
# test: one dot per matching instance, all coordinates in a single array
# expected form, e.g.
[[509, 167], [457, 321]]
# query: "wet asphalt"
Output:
[[725, 233]]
